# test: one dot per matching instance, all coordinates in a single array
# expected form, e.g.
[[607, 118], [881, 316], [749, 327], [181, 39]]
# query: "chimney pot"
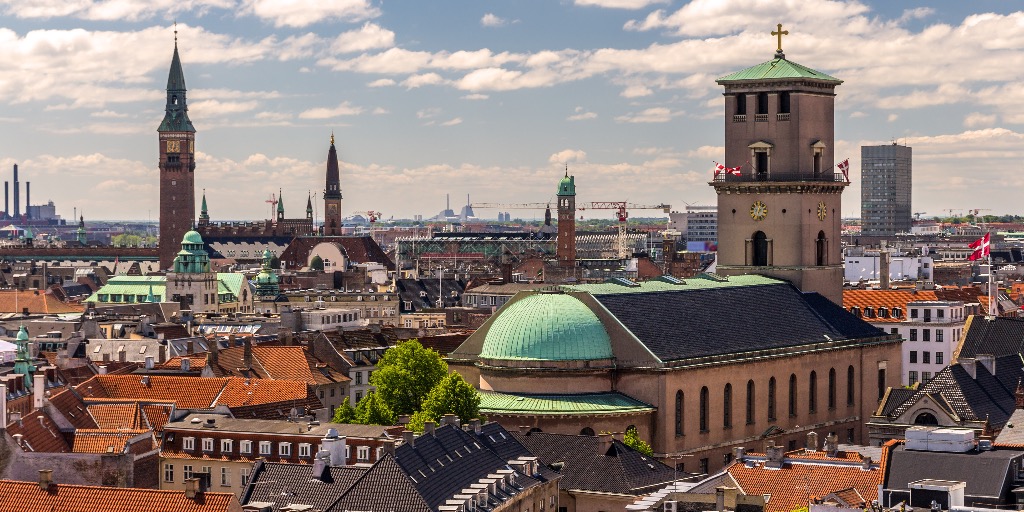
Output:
[[812, 441], [475, 424], [45, 479], [409, 437], [192, 488], [428, 427], [739, 453]]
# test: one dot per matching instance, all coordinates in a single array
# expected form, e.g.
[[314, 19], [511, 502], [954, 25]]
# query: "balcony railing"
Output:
[[760, 118], [747, 177], [782, 117], [739, 118]]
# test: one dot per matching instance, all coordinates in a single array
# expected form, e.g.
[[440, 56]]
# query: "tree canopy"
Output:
[[632, 440], [344, 413], [373, 410], [406, 374], [453, 395]]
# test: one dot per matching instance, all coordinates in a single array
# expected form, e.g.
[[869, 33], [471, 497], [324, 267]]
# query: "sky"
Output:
[[487, 98]]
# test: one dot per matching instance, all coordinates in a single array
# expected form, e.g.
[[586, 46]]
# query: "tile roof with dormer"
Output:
[[110, 440], [39, 433], [83, 498], [889, 299], [195, 392]]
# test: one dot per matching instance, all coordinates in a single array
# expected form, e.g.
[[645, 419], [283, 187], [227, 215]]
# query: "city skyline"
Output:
[[458, 100]]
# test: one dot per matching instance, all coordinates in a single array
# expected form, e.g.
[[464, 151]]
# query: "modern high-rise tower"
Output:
[[780, 217], [332, 194], [885, 183], [177, 166]]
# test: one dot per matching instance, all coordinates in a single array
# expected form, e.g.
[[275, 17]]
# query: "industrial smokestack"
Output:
[[28, 197], [7, 199], [17, 186]]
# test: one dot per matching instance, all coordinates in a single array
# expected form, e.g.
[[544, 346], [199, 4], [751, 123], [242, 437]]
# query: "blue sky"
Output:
[[488, 98]]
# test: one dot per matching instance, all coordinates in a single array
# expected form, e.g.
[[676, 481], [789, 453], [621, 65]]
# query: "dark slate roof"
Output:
[[986, 396], [998, 336], [409, 292], [282, 484], [383, 488], [358, 249], [896, 398], [985, 473], [619, 470], [760, 317], [1013, 432]]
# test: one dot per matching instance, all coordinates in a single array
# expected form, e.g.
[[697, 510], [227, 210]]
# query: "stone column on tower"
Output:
[[332, 194], [176, 140]]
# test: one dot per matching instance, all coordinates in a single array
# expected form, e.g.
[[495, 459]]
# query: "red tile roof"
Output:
[[105, 440], [124, 416], [794, 483], [13, 301], [157, 415], [890, 299], [192, 392], [82, 498], [39, 434], [71, 406]]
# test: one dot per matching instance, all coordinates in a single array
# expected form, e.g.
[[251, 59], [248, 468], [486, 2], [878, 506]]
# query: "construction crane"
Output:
[[918, 215], [273, 204], [981, 221], [621, 212]]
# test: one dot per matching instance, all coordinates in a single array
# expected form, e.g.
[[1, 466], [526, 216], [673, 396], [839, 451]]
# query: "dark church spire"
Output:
[[176, 116], [333, 190]]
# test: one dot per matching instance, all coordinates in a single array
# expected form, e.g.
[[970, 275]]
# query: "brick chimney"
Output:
[[604, 443], [192, 488], [774, 454], [812, 441], [247, 353], [739, 453], [409, 437], [832, 445], [428, 428]]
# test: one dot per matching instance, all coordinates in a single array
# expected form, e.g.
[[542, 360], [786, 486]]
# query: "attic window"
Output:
[[869, 312], [897, 312], [883, 312]]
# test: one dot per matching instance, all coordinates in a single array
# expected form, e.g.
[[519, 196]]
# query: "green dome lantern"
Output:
[[192, 258]]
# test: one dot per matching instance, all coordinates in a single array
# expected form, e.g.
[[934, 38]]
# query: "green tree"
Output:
[[406, 374], [453, 395], [373, 410], [344, 413], [632, 440]]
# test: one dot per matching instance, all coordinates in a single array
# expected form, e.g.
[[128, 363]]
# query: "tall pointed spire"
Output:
[[203, 213], [309, 206], [332, 193], [280, 205], [176, 116]]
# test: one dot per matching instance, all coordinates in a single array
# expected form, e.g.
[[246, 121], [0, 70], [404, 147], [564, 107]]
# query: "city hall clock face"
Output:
[[758, 210], [822, 210]]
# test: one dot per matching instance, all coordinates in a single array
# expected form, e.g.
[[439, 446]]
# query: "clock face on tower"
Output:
[[822, 210], [332, 209], [758, 210]]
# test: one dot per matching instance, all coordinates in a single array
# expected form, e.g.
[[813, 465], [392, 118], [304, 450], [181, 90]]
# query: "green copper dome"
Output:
[[547, 327], [22, 334], [192, 237], [567, 187]]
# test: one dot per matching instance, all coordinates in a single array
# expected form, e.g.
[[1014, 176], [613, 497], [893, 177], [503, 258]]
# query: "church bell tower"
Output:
[[332, 194], [566, 249], [780, 215], [176, 141]]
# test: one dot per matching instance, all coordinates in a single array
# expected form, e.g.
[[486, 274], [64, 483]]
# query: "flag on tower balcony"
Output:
[[719, 169], [844, 166], [981, 248]]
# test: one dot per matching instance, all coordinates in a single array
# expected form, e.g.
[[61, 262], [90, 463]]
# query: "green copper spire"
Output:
[[150, 297], [567, 187], [280, 205], [309, 207], [80, 234], [203, 214], [23, 360], [176, 116]]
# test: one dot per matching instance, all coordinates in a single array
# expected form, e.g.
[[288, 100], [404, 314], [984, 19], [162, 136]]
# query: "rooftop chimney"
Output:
[[475, 422], [604, 443], [988, 361], [334, 444], [149, 362], [3, 406], [389, 447], [883, 268], [774, 454], [428, 427], [969, 364], [739, 453], [192, 488], [38, 389], [832, 444], [812, 441], [403, 419], [866, 463], [409, 437], [320, 464], [247, 352], [45, 479]]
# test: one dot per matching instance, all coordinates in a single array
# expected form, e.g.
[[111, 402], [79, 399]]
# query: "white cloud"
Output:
[[857, 114], [428, 113], [492, 20], [420, 80], [581, 114], [636, 91], [892, 118], [300, 13], [568, 155], [108, 114], [707, 152], [368, 37], [979, 120], [650, 115], [344, 109], [475, 96], [381, 82], [618, 4], [109, 10], [213, 108], [452, 122]]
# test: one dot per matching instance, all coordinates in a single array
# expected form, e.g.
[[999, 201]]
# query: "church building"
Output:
[[759, 353]]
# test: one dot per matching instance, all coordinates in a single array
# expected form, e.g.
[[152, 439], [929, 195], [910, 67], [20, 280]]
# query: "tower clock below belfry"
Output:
[[780, 216]]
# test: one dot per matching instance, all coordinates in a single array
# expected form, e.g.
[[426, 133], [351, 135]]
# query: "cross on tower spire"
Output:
[[779, 32]]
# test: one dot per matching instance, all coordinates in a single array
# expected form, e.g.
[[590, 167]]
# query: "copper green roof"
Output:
[[778, 68], [567, 187], [192, 237], [590, 403], [22, 334], [698, 282], [131, 289], [547, 327]]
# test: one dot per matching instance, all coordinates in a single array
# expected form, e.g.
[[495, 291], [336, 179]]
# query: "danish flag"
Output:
[[719, 169], [844, 166], [981, 248]]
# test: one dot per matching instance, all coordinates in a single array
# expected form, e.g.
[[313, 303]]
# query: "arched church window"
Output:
[[679, 413], [926, 418], [812, 392], [821, 249], [832, 388], [704, 409], [727, 406], [792, 395], [849, 385], [771, 399], [750, 402], [760, 249]]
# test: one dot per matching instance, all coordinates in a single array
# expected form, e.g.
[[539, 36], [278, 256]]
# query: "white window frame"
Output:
[[226, 445], [245, 446], [305, 449], [169, 473], [362, 453], [284, 449], [225, 476], [188, 443], [207, 444], [266, 447], [244, 474]]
